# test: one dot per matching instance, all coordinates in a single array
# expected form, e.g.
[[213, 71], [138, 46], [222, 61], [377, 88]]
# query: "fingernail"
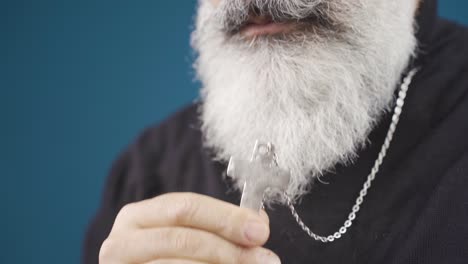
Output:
[[267, 257], [256, 231]]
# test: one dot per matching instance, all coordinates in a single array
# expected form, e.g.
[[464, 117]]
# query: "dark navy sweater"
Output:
[[416, 211]]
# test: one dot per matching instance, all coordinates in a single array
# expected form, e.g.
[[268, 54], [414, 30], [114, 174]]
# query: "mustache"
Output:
[[235, 14]]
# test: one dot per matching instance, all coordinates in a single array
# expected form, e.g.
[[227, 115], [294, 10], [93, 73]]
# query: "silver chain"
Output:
[[367, 185]]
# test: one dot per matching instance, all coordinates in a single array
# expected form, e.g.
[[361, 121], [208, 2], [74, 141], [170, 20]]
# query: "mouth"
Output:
[[265, 26]]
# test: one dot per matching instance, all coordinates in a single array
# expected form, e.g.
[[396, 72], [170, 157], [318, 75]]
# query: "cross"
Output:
[[259, 174]]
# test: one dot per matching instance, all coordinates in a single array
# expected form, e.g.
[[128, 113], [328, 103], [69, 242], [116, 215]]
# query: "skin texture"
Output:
[[187, 228]]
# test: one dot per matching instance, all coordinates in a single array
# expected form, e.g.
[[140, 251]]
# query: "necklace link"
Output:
[[400, 102]]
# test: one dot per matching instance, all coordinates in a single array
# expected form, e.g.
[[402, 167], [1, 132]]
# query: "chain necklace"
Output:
[[370, 178]]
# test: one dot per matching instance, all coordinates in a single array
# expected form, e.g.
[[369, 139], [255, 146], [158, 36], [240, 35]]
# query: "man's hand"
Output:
[[187, 228]]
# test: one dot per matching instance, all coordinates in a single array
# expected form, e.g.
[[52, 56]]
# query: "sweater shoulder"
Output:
[[443, 80], [179, 130], [170, 157]]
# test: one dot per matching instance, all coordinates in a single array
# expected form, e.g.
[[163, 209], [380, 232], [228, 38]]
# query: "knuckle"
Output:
[[182, 208], [185, 241], [126, 212], [107, 250], [181, 241]]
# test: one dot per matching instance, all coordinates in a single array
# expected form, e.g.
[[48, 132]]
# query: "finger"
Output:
[[174, 261], [263, 214], [238, 225], [182, 243]]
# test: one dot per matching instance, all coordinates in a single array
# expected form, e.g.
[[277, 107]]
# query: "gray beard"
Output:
[[316, 97]]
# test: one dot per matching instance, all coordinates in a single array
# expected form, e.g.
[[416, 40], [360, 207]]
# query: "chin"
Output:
[[315, 94]]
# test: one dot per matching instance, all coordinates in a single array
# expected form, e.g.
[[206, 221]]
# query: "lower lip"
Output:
[[254, 30]]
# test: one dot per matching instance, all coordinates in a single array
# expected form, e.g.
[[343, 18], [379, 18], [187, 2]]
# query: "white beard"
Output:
[[315, 98]]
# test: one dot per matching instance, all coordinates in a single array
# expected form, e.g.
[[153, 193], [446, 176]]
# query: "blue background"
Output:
[[79, 80]]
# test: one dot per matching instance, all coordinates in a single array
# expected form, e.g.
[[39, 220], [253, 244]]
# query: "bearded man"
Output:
[[366, 105]]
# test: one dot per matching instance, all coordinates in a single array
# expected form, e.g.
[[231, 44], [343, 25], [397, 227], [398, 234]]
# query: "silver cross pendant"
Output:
[[259, 174]]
